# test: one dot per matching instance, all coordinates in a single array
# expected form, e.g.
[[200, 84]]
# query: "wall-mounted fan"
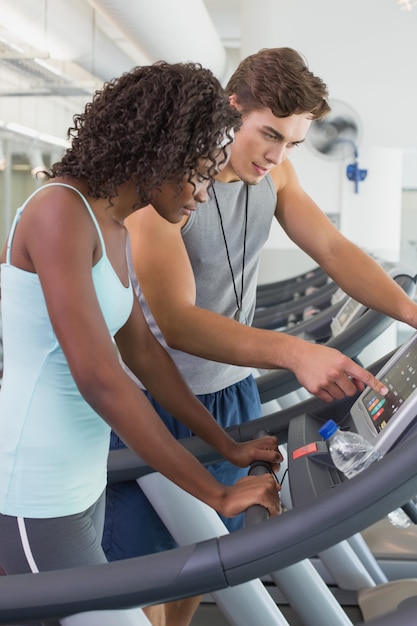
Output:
[[337, 136]]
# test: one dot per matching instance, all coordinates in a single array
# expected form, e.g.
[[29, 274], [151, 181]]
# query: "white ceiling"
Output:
[[362, 48], [54, 53], [88, 41]]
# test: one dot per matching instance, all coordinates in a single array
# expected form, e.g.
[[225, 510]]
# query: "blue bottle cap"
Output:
[[328, 429]]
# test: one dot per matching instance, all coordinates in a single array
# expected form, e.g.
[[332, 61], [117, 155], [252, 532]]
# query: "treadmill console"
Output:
[[372, 414], [385, 421], [347, 314], [352, 310]]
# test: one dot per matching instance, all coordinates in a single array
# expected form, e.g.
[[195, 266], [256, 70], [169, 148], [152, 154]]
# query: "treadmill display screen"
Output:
[[401, 380], [347, 314], [347, 311]]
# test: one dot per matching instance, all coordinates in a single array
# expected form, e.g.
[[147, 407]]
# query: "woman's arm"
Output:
[[61, 244]]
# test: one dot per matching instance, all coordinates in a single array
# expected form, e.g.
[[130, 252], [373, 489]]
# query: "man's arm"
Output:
[[358, 274], [162, 265]]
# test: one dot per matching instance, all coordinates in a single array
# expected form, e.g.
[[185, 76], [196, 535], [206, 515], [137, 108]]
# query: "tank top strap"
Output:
[[20, 211], [12, 231]]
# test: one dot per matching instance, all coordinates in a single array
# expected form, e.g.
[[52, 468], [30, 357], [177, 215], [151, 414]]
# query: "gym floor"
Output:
[[209, 615]]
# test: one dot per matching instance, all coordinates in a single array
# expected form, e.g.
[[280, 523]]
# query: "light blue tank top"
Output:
[[206, 249], [53, 446]]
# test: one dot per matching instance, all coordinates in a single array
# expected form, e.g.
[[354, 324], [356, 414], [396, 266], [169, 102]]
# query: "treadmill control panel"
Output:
[[349, 312], [352, 309], [373, 413], [383, 420]]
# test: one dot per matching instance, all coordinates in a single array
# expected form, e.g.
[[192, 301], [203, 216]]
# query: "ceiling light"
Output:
[[21, 130], [407, 5], [56, 141], [34, 134]]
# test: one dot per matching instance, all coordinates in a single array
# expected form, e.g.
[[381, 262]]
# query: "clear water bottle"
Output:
[[351, 454]]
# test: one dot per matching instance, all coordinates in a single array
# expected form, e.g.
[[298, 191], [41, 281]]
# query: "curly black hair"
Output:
[[149, 125]]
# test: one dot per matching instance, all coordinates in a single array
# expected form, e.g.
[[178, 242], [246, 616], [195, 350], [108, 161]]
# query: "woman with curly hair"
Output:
[[158, 134]]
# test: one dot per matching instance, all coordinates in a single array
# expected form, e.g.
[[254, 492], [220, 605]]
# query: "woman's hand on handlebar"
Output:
[[262, 449], [251, 490]]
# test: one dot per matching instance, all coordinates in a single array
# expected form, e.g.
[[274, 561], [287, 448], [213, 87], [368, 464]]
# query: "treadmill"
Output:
[[348, 326], [290, 312], [275, 617], [387, 422], [328, 509], [287, 289]]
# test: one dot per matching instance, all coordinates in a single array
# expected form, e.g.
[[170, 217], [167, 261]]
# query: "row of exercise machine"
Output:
[[318, 536]]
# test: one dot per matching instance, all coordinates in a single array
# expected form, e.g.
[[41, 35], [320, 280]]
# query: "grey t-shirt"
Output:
[[204, 241]]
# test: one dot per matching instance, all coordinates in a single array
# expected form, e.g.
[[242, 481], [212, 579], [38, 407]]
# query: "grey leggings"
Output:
[[35, 545]]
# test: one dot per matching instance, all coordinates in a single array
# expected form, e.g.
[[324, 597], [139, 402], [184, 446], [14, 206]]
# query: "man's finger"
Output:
[[371, 381]]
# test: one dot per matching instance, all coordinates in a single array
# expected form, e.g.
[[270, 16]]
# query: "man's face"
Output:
[[263, 142]]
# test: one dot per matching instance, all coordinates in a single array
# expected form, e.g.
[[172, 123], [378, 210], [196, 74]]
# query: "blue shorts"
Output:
[[132, 527]]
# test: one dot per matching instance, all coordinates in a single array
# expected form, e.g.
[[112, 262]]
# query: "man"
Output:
[[199, 280]]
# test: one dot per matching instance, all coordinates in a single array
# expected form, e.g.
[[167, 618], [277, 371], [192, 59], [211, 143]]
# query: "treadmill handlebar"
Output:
[[220, 562], [257, 513]]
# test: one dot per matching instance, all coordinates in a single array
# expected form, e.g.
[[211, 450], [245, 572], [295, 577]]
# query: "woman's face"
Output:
[[173, 203]]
